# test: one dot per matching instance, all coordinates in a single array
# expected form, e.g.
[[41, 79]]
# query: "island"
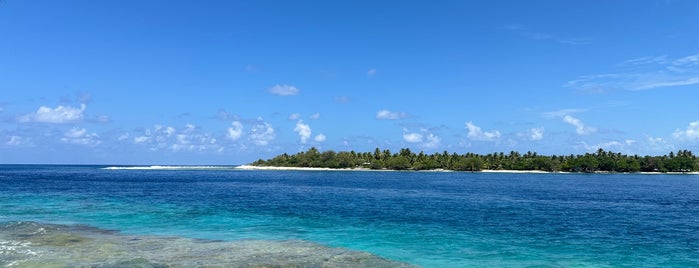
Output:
[[682, 161]]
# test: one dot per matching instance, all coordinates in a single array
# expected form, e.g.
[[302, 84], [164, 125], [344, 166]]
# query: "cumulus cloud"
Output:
[[320, 138], [304, 131], [58, 115], [412, 137], [189, 138], [81, 136], [432, 141], [692, 131], [475, 133], [580, 127], [235, 131], [261, 133], [423, 138], [388, 115], [284, 90], [536, 134]]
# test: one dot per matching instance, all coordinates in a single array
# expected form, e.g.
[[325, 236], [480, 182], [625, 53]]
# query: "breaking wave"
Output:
[[169, 167]]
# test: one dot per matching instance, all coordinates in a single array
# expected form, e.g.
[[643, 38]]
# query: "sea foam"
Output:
[[168, 167]]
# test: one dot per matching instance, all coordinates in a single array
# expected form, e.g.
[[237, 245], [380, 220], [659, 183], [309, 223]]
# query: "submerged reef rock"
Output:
[[31, 244]]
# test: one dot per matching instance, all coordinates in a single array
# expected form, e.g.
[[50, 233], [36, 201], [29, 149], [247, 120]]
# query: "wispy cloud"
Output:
[[565, 116], [315, 116], [542, 36], [642, 74], [250, 68], [19, 141], [614, 145], [343, 99], [371, 72], [389, 115], [580, 127], [284, 90], [294, 116], [58, 115], [562, 113], [475, 133]]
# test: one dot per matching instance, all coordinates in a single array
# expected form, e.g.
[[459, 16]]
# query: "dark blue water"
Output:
[[431, 219]]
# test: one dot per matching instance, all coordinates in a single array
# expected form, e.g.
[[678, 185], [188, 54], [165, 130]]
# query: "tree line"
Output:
[[405, 159]]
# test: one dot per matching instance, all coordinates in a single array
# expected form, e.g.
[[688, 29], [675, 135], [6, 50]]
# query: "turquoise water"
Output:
[[429, 219]]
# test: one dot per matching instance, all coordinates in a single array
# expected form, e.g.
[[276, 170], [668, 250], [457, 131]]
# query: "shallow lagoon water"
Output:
[[380, 219]]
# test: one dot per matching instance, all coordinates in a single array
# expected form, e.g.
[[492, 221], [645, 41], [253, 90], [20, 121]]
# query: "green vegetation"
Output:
[[405, 159]]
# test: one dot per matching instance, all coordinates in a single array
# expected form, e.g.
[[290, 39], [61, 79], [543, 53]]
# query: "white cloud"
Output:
[[141, 139], [342, 99], [250, 68], [614, 146], [412, 137], [692, 131], [388, 115], [536, 134], [81, 136], [562, 113], [58, 115], [235, 131], [304, 131], [475, 133], [294, 116], [261, 133], [540, 36], [580, 127], [189, 138], [371, 72], [682, 82], [315, 116], [284, 90], [123, 137], [642, 74], [19, 141], [320, 138], [103, 119], [432, 141], [423, 138]]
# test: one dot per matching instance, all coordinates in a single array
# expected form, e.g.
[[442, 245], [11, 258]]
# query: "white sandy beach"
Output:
[[251, 167]]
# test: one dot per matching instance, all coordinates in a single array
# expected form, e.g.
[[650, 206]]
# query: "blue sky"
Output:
[[228, 82]]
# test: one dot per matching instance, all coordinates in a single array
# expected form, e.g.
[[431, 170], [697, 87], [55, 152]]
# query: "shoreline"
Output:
[[251, 167]]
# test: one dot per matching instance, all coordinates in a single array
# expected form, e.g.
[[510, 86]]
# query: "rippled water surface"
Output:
[[183, 217]]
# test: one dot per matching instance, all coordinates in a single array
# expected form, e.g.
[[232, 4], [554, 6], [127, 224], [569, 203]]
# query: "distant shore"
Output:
[[251, 167]]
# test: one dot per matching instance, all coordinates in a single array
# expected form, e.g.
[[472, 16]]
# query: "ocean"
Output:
[[101, 216]]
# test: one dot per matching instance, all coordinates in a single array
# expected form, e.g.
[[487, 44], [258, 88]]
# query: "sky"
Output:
[[229, 82]]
